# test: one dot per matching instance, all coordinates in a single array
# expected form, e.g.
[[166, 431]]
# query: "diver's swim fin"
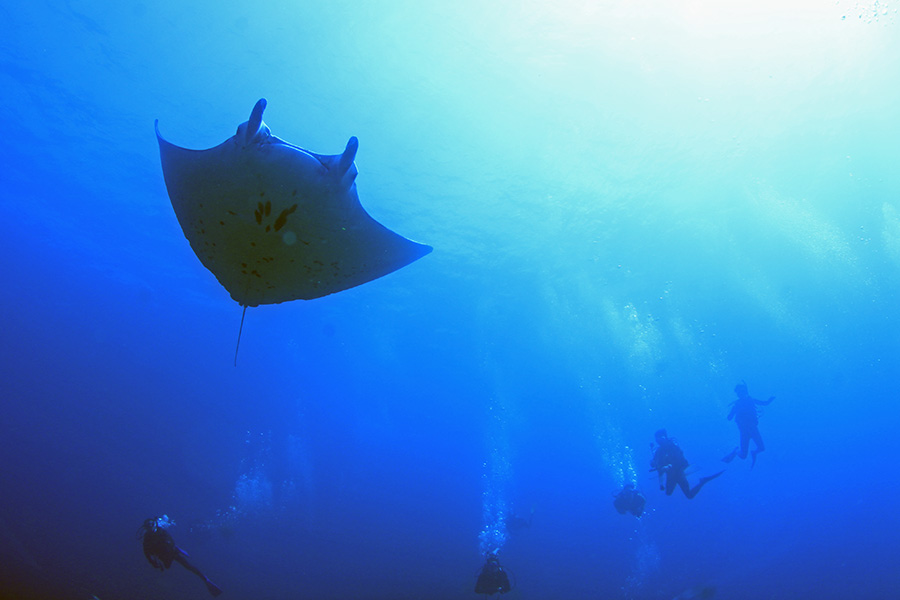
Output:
[[213, 588]]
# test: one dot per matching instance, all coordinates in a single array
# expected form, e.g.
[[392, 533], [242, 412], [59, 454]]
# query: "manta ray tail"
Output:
[[241, 329]]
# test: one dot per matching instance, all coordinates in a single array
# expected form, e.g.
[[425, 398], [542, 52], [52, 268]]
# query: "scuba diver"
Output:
[[630, 500], [745, 415], [160, 549], [669, 461], [492, 578]]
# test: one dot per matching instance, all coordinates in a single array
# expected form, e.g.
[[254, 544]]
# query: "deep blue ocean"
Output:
[[634, 206]]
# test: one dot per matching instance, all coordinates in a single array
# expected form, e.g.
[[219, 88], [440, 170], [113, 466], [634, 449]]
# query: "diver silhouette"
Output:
[[160, 549], [492, 579], [746, 417], [669, 461], [630, 500]]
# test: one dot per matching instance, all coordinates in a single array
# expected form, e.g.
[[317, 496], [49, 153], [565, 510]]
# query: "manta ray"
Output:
[[274, 222]]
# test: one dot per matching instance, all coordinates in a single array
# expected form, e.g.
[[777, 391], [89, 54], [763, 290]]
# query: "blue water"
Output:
[[633, 207]]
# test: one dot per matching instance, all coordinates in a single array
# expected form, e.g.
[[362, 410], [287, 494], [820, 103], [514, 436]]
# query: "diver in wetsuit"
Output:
[[492, 578], [669, 461], [630, 500], [745, 415], [160, 550]]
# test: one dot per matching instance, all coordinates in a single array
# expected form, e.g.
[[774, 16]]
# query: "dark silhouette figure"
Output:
[[630, 500], [160, 550], [669, 461], [492, 578], [745, 415]]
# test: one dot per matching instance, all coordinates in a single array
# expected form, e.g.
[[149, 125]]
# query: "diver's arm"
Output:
[[655, 466], [733, 410], [765, 402], [154, 562], [660, 472]]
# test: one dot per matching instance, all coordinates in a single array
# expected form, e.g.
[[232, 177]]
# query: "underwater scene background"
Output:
[[633, 206]]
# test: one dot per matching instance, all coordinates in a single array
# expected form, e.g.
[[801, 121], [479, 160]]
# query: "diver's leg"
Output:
[[745, 443], [760, 446], [703, 481], [181, 557], [685, 487], [671, 481], [757, 439]]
